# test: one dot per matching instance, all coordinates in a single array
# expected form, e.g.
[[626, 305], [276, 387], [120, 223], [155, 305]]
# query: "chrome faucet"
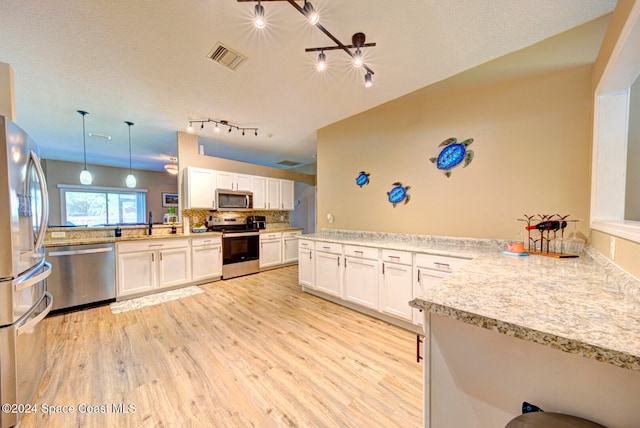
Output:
[[150, 223]]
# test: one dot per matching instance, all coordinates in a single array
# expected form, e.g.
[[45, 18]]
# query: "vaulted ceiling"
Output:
[[146, 62]]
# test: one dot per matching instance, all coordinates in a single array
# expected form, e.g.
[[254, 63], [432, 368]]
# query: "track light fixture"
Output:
[[358, 39], [222, 123]]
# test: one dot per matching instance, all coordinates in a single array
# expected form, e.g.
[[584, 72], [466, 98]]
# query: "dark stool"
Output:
[[550, 420]]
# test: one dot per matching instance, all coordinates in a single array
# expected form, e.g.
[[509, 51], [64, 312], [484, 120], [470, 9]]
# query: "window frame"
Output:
[[140, 194]]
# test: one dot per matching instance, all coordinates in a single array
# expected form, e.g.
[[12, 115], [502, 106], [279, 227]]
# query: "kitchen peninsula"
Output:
[[561, 333]]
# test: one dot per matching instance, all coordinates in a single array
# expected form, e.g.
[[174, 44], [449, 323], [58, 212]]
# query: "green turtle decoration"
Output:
[[453, 154], [398, 194]]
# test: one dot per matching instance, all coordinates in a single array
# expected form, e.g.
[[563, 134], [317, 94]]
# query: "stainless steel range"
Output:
[[240, 245]]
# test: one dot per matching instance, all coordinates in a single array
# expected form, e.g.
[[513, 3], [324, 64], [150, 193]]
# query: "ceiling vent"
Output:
[[288, 163], [225, 56]]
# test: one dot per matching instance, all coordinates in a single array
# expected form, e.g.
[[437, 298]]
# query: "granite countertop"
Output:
[[280, 229], [585, 305], [59, 242]]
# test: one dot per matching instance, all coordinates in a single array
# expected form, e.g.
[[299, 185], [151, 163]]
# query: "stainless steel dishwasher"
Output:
[[81, 274]]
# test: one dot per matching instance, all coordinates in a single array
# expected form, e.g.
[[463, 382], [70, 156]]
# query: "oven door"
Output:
[[240, 247]]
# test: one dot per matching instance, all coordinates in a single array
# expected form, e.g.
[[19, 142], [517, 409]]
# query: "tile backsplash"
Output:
[[274, 218]]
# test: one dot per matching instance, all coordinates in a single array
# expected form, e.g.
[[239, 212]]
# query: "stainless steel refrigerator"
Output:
[[24, 300]]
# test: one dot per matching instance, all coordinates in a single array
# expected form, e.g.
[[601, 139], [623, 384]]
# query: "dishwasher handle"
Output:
[[76, 252]]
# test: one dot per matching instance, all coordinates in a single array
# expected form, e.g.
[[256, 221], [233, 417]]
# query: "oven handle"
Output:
[[240, 235]]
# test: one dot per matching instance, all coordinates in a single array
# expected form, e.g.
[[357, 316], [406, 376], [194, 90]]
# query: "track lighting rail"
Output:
[[223, 123]]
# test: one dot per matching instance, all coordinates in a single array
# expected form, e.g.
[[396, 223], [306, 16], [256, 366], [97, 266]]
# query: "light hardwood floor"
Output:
[[250, 351]]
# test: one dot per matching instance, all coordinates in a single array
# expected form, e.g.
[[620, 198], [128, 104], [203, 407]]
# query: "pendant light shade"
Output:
[[85, 175], [172, 168], [259, 16], [130, 181]]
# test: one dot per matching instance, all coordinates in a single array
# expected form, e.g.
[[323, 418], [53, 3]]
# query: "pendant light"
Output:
[[85, 175], [131, 179], [172, 168]]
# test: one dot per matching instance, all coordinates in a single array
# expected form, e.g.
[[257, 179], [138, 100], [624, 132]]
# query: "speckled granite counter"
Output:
[[586, 305], [280, 229]]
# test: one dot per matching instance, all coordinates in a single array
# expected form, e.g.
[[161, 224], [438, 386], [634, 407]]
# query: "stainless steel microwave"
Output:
[[234, 200]]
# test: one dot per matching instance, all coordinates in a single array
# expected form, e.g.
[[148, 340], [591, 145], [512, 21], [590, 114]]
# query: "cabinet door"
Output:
[[289, 250], [327, 271], [286, 195], [361, 282], [259, 189], [273, 194], [224, 180], [396, 290], [243, 182], [136, 272], [305, 268], [200, 185], [206, 262], [425, 279], [174, 267], [270, 252]]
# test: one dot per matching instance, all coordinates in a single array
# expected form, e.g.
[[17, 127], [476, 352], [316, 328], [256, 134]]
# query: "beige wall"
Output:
[[532, 155], [7, 98], [627, 253], [156, 183]]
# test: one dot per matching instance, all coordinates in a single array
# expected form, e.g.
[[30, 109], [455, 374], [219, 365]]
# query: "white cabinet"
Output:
[[286, 195], [273, 194], [270, 249], [361, 272], [144, 266], [259, 189], [290, 246], [328, 268], [199, 188], [233, 181], [305, 264], [206, 258], [397, 284]]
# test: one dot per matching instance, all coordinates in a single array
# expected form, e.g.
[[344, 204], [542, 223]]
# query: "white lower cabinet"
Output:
[[328, 270], [270, 249], [290, 246], [425, 279], [206, 258], [305, 264], [396, 290], [144, 266], [361, 273]]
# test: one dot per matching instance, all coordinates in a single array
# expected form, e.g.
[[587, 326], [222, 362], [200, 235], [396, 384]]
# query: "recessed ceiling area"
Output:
[[148, 62]]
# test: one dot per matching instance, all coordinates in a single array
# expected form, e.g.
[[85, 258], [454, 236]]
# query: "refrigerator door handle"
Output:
[[36, 278], [45, 201], [34, 321]]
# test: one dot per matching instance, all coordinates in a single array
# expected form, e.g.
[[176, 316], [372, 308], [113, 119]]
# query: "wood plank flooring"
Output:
[[253, 351]]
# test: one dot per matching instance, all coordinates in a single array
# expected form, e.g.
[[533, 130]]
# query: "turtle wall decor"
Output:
[[362, 178], [398, 194], [453, 154]]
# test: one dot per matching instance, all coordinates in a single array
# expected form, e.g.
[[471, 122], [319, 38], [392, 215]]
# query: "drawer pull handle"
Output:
[[326, 248], [442, 265], [394, 257], [418, 343]]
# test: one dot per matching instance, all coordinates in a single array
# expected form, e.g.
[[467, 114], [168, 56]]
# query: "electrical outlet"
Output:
[[58, 234], [612, 248], [194, 220], [281, 218]]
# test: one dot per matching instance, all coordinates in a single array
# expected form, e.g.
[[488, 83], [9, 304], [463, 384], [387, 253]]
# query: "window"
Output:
[[97, 206]]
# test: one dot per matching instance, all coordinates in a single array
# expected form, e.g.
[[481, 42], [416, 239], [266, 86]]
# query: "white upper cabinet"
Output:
[[273, 194], [233, 181], [199, 188], [286, 195], [259, 186]]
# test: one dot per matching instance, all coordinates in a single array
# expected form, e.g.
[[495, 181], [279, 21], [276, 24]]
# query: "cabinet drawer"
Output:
[[329, 247], [394, 256], [152, 244], [361, 252], [201, 242], [291, 233], [269, 236], [440, 263], [305, 244]]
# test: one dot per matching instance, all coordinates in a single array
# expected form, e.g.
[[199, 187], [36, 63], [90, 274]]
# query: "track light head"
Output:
[[357, 58], [255, 132], [311, 13], [322, 61], [368, 80], [217, 128], [259, 16]]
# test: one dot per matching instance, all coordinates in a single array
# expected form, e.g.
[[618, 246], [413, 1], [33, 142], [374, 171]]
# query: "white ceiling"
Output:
[[145, 61]]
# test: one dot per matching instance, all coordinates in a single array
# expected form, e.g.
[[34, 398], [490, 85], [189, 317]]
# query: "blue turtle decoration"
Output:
[[398, 194], [453, 154], [362, 178]]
